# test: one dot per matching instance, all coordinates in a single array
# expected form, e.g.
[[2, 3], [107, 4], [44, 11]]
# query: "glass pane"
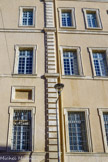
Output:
[[66, 19], [21, 130], [77, 132], [70, 63], [100, 64]]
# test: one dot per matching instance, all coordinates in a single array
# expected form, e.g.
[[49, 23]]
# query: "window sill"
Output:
[[86, 154], [27, 26], [24, 75], [67, 27], [72, 76], [100, 78], [97, 28], [22, 101]]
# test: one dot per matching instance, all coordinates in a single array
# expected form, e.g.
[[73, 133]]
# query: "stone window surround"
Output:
[[101, 111], [85, 10], [86, 110], [11, 111], [17, 48], [14, 88], [90, 49], [21, 12], [72, 17], [78, 51]]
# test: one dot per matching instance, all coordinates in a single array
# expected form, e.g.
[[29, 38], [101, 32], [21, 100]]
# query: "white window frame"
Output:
[[16, 61], [79, 61], [72, 10], [14, 88], [101, 111], [11, 112], [85, 10], [91, 57], [21, 15], [86, 111]]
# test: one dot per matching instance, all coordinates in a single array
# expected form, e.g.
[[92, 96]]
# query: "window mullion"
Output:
[[70, 64]]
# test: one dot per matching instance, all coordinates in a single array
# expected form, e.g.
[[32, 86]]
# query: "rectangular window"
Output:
[[104, 123], [105, 117], [77, 132], [92, 19], [21, 132], [27, 16], [100, 64], [71, 61], [78, 138], [67, 17], [25, 60], [99, 58]]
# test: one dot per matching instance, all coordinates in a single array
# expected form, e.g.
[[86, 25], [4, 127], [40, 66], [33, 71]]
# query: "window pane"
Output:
[[70, 63], [77, 132], [21, 130], [27, 17], [105, 116], [25, 62], [66, 18], [92, 20], [100, 64]]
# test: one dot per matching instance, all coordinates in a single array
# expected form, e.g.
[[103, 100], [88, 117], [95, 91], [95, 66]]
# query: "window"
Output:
[[22, 94], [99, 62], [92, 19], [77, 130], [21, 129], [104, 123], [25, 60], [71, 61], [27, 16], [67, 17]]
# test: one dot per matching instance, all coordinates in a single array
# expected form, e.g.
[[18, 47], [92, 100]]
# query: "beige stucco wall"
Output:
[[87, 92], [9, 13], [79, 16], [15, 35]]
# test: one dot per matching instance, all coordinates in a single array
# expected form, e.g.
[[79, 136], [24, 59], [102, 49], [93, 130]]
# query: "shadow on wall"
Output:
[[14, 156]]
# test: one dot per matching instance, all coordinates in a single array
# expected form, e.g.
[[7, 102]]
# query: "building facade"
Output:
[[44, 43]]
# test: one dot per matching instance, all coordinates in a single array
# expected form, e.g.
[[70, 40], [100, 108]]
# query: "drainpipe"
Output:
[[59, 67]]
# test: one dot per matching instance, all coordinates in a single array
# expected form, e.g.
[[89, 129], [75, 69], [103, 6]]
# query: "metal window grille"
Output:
[[27, 17], [25, 62], [92, 20], [70, 63], [77, 132], [105, 116], [21, 130], [100, 63], [66, 18]]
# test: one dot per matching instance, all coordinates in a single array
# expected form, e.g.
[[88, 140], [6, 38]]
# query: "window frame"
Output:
[[14, 88], [97, 11], [11, 112], [101, 111], [34, 64], [89, 140], [91, 58], [79, 59], [73, 21], [21, 15]]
